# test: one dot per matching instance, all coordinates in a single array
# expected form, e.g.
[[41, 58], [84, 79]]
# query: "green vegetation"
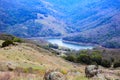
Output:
[[96, 57], [84, 58], [9, 39], [116, 64], [7, 43], [17, 40], [106, 63], [112, 44], [81, 78], [71, 58]]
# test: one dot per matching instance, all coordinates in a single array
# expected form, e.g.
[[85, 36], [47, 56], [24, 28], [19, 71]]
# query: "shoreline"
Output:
[[82, 44], [69, 42], [45, 38], [65, 41]]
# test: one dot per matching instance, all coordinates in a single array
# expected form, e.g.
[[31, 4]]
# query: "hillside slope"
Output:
[[25, 56], [94, 21], [27, 61], [30, 61], [30, 18]]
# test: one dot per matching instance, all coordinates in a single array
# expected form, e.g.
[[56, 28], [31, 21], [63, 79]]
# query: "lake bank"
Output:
[[63, 43], [78, 43]]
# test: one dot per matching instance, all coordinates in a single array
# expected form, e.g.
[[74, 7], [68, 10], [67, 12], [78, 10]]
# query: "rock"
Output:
[[54, 75], [7, 66], [100, 76], [91, 71], [10, 66]]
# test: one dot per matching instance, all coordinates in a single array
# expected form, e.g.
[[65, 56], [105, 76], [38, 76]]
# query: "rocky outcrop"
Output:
[[54, 75], [91, 71]]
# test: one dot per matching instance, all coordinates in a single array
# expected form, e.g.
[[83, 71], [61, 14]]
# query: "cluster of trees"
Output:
[[112, 44], [95, 57], [11, 42], [106, 41]]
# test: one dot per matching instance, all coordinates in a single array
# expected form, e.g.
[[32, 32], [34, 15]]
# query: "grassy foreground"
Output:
[[28, 61]]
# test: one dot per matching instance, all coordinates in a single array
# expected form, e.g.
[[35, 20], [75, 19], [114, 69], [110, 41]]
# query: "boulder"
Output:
[[10, 66], [54, 75], [91, 70]]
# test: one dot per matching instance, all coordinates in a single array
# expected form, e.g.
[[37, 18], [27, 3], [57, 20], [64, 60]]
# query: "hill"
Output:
[[93, 21], [27, 60], [30, 18], [25, 56]]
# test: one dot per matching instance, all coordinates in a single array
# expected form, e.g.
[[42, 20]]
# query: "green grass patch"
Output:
[[81, 78]]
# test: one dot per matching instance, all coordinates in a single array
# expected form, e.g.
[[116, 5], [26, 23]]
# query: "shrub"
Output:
[[106, 63], [71, 58], [84, 58], [84, 52], [7, 43], [96, 57], [17, 40], [116, 64], [112, 59]]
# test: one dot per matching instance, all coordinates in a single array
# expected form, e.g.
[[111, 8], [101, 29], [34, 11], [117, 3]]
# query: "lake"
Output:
[[68, 45]]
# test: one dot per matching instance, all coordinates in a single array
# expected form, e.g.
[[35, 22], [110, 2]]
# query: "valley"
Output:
[[27, 59], [38, 37], [95, 22]]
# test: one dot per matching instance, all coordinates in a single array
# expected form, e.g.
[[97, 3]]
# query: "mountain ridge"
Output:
[[50, 18]]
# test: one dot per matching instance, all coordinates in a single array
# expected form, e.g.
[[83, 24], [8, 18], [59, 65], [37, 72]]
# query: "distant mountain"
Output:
[[81, 15], [88, 21], [93, 21], [29, 18]]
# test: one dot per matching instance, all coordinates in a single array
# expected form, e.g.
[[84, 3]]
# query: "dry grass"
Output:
[[31, 62], [24, 56], [18, 76]]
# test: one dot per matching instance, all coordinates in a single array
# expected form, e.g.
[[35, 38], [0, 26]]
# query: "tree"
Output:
[[84, 58], [96, 57], [116, 64], [71, 58], [106, 63]]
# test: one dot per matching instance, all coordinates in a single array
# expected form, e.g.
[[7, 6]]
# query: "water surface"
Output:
[[68, 45]]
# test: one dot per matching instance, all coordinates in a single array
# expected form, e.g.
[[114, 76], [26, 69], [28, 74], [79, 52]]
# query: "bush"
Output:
[[96, 57], [106, 63], [71, 58], [17, 40], [84, 52], [7, 43], [84, 58], [116, 64]]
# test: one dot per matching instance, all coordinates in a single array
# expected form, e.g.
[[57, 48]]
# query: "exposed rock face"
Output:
[[54, 75], [91, 71]]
